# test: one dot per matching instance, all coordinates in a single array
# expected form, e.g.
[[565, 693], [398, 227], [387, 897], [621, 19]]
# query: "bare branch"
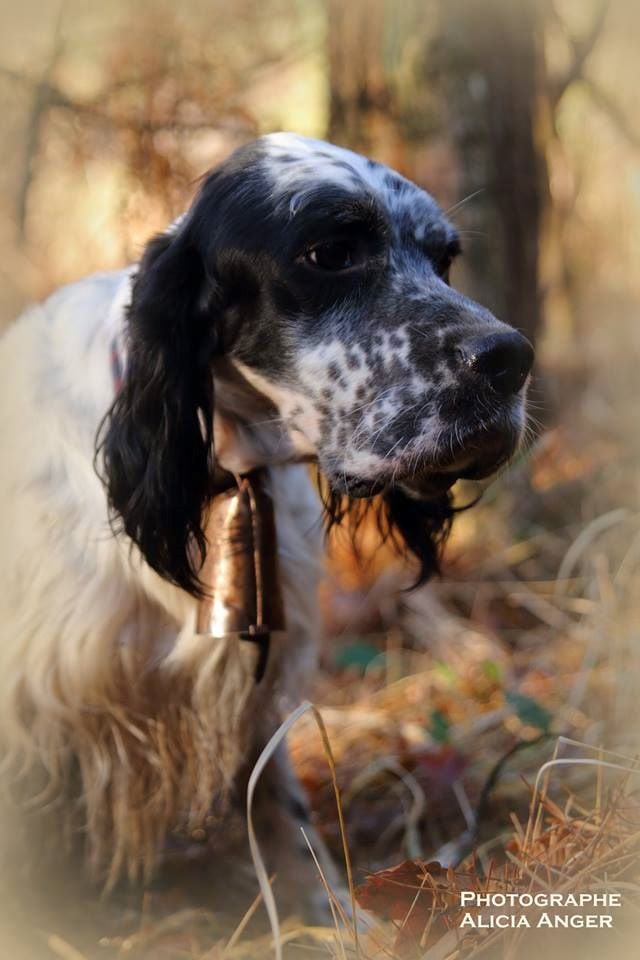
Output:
[[582, 49], [39, 106], [613, 111]]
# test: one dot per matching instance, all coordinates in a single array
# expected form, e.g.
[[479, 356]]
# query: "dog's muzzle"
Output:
[[491, 371]]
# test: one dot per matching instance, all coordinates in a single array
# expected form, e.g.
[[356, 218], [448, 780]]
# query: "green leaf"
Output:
[[529, 711], [492, 671], [356, 655], [446, 672], [439, 726]]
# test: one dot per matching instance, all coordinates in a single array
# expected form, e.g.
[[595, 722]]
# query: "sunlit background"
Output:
[[521, 117]]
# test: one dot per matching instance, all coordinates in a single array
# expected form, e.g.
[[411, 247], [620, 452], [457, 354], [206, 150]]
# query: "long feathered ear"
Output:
[[155, 446]]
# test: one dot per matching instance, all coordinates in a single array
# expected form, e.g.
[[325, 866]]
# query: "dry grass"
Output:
[[487, 722]]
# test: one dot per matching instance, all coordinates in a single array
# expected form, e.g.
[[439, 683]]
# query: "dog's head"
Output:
[[307, 291]]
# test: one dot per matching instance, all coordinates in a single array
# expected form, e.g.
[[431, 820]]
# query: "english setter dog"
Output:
[[299, 311]]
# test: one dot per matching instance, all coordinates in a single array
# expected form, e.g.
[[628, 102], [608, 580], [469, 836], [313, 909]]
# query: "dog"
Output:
[[299, 312]]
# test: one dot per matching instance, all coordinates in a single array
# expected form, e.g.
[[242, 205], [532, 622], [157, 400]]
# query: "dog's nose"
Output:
[[503, 359]]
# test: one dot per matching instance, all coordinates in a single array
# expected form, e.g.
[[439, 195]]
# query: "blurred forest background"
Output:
[[521, 117]]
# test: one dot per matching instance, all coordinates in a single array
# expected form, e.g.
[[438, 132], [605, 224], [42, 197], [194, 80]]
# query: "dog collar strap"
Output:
[[240, 571]]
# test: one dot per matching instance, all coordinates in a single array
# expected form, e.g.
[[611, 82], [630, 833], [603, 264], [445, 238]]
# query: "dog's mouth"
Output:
[[424, 484], [476, 459]]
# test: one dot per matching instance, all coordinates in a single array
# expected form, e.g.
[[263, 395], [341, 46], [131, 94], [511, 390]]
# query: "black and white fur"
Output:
[[300, 310]]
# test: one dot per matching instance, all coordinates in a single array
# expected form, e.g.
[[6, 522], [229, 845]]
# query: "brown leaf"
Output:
[[421, 899]]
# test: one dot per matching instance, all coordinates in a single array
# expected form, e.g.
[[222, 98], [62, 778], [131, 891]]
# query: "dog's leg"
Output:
[[281, 815]]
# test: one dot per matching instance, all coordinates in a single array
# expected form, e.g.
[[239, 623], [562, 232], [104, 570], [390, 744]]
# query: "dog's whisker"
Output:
[[461, 203], [473, 234]]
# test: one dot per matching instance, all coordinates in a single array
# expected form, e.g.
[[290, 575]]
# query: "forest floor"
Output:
[[441, 707]]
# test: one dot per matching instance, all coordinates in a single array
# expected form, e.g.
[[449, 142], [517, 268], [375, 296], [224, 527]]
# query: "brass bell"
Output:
[[240, 570]]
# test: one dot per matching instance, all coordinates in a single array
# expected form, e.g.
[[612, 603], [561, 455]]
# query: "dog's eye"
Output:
[[333, 255]]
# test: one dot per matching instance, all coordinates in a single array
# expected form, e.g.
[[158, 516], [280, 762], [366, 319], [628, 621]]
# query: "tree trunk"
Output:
[[361, 114], [496, 78], [448, 92]]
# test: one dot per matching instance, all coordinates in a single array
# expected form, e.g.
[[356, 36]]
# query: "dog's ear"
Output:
[[155, 446]]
